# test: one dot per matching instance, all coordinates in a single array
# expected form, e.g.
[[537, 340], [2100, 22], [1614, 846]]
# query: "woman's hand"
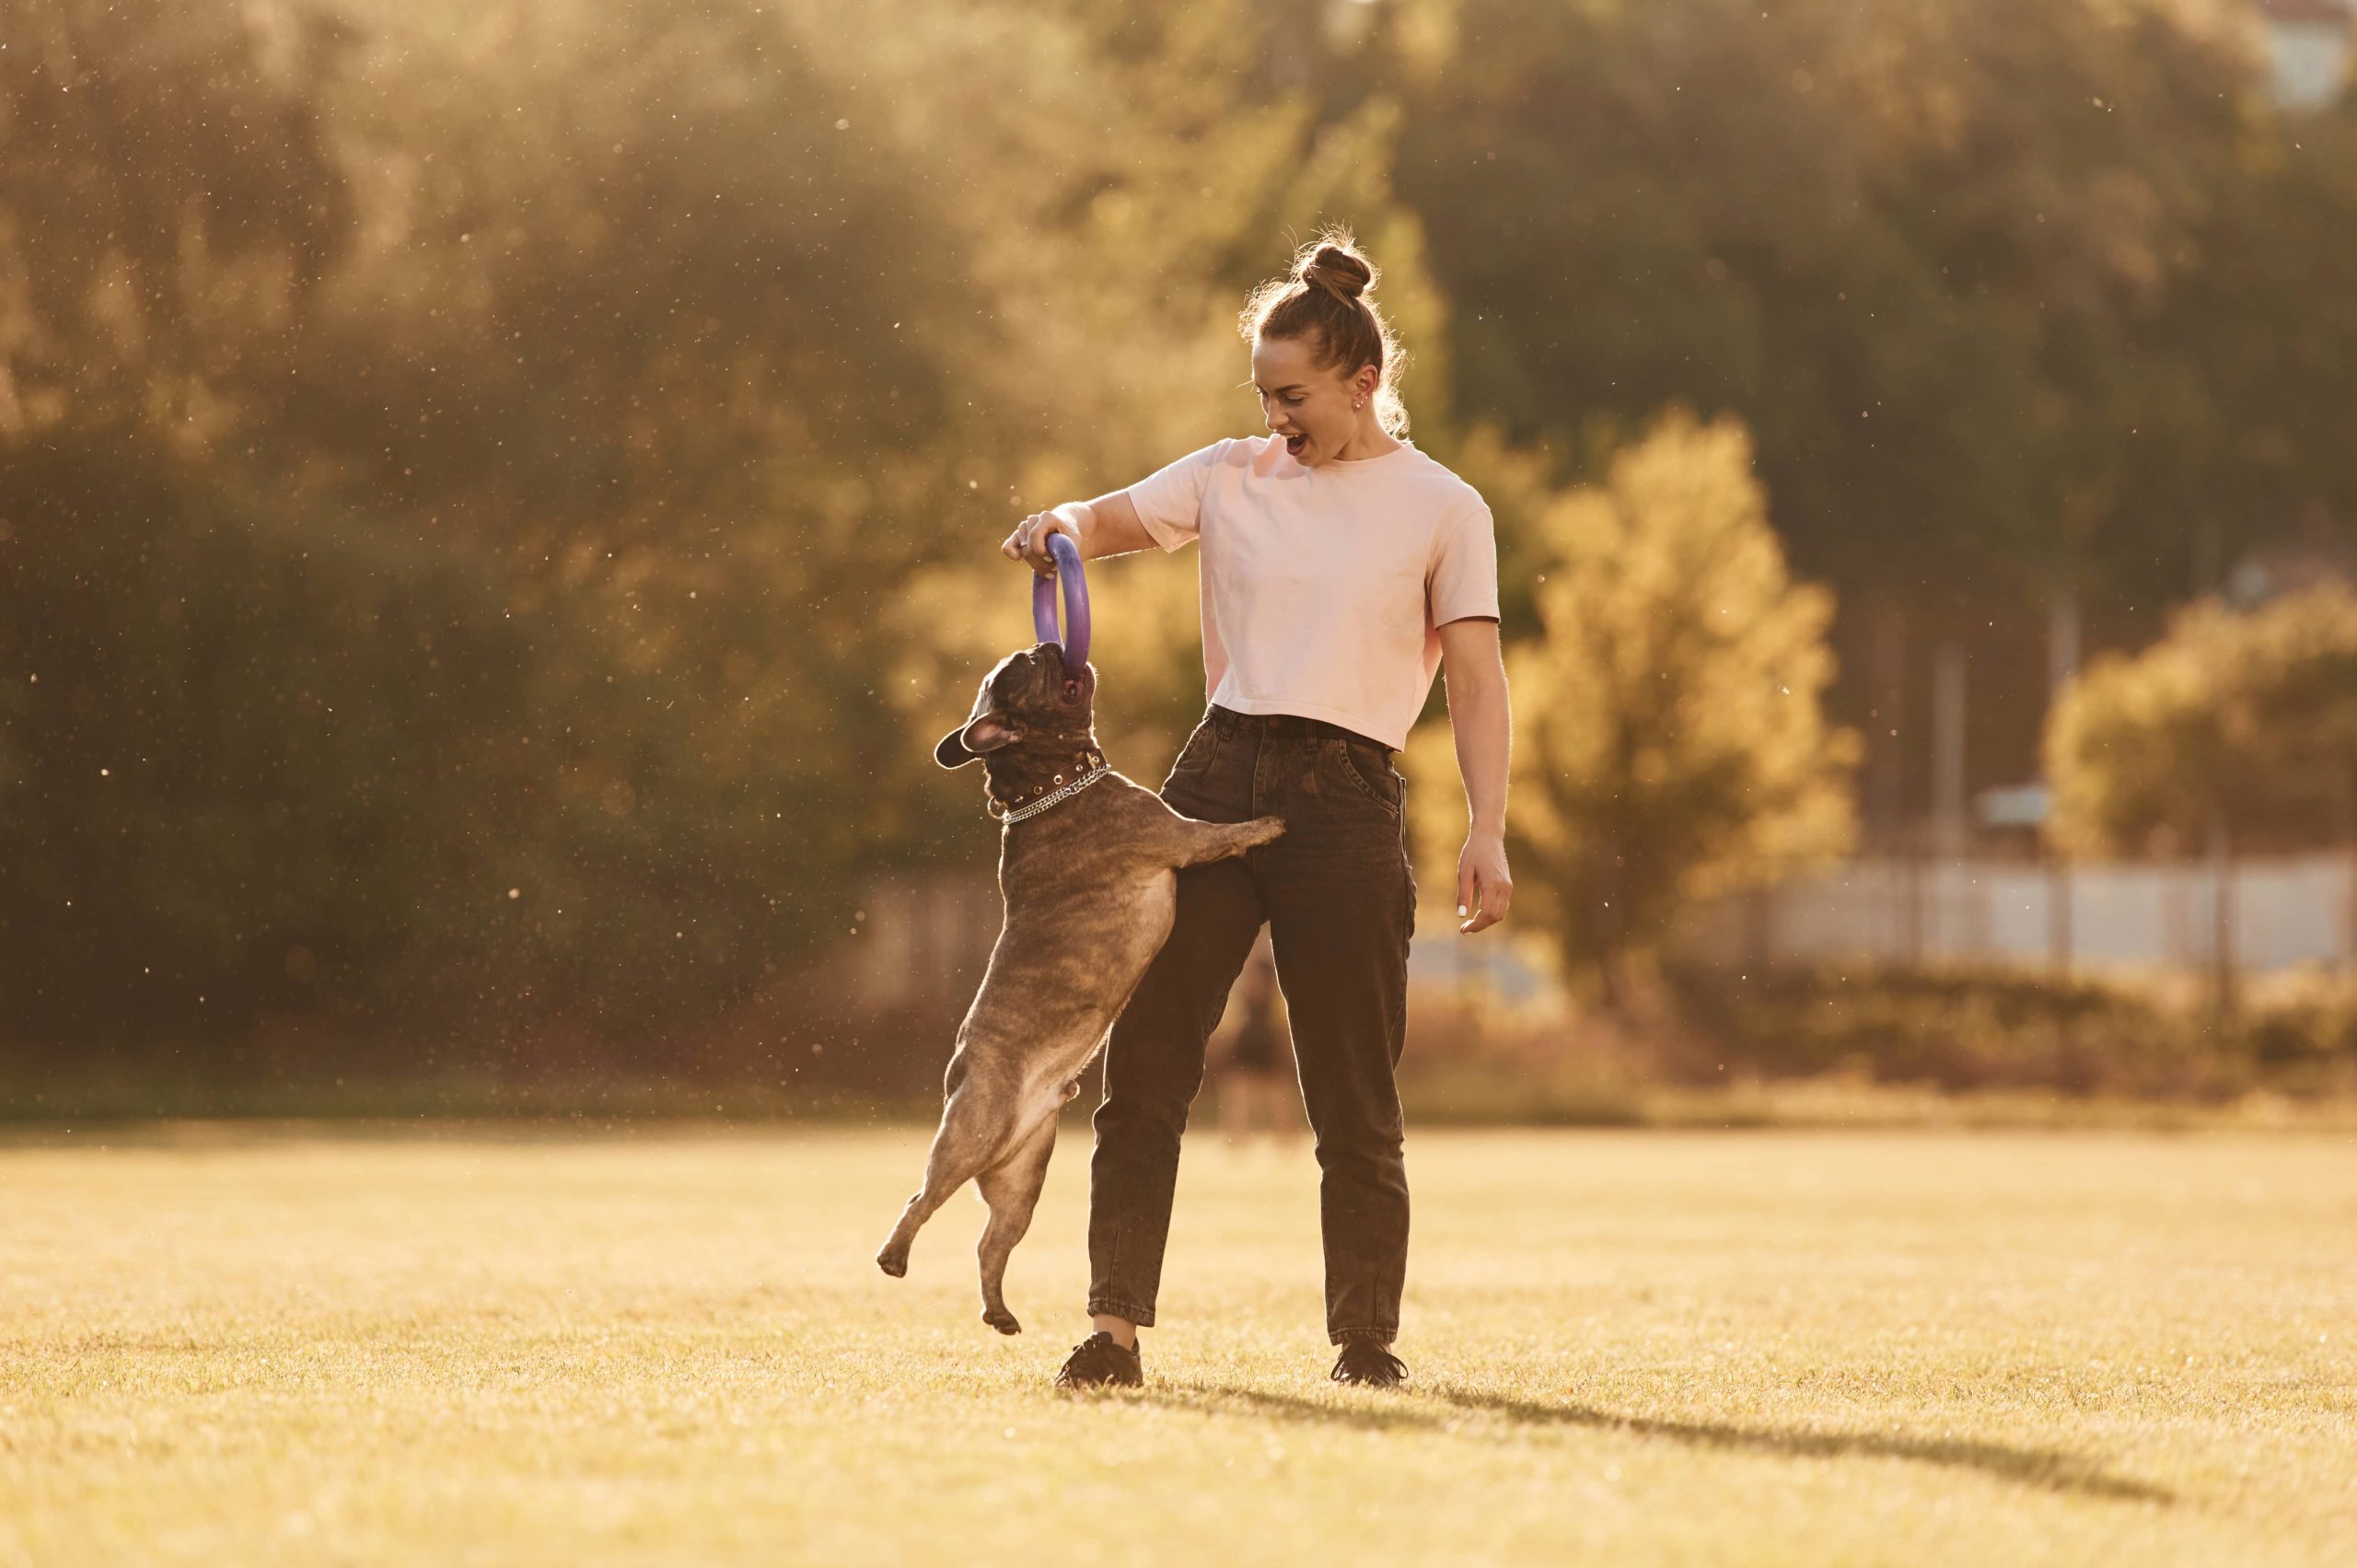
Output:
[[1028, 542], [1483, 886]]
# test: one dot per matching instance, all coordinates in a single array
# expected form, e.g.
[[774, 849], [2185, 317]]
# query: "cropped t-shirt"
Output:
[[1324, 588]]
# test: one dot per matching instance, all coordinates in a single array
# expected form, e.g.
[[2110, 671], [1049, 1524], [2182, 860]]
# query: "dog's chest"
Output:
[[1142, 912]]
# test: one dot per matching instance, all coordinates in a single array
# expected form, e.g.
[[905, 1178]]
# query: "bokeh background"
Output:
[[497, 499]]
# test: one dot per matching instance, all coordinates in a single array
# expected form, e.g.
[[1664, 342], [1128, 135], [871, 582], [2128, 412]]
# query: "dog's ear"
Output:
[[986, 733], [952, 753]]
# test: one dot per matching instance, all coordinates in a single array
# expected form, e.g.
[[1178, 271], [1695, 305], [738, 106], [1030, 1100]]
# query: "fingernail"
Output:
[[1461, 909]]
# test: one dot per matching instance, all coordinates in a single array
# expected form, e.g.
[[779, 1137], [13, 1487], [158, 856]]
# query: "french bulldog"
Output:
[[1087, 869]]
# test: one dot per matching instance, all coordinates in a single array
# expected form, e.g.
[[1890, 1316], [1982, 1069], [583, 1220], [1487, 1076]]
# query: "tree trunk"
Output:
[[2223, 957]]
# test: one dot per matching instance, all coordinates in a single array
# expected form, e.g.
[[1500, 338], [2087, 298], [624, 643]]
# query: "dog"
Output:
[[1087, 868]]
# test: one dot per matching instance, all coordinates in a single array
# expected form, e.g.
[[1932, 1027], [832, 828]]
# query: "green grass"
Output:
[[264, 1346]]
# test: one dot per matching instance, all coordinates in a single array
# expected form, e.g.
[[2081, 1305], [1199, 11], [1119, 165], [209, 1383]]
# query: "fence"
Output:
[[2274, 914], [924, 942]]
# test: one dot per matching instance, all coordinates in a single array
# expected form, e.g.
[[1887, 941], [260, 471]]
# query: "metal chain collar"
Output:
[[1082, 782]]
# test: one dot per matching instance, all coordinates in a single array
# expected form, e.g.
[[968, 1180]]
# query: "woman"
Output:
[[1341, 566]]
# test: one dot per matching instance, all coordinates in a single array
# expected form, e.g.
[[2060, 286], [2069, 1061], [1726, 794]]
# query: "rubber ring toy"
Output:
[[1073, 639]]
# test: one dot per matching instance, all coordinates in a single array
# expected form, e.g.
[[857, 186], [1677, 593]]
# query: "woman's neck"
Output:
[[1369, 441]]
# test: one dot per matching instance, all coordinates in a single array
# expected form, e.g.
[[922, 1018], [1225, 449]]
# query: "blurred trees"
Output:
[[169, 209], [532, 487], [1668, 740], [509, 656], [1122, 208], [2019, 299], [169, 206], [2244, 722], [1924, 250], [455, 452]]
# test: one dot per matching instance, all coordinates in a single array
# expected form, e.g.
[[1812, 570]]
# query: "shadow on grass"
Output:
[[1438, 1407]]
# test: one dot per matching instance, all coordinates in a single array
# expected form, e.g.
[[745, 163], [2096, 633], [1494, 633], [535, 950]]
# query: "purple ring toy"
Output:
[[1074, 639]]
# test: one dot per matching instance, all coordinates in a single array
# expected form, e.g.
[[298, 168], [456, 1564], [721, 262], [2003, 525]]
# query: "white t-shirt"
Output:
[[1324, 588]]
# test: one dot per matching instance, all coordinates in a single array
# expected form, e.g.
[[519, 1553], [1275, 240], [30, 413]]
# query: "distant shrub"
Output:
[[1950, 1030], [2246, 721]]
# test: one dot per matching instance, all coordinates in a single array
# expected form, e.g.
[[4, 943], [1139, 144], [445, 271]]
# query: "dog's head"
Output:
[[1027, 696]]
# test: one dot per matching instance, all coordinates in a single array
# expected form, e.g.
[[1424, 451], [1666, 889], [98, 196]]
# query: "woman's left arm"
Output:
[[1475, 671]]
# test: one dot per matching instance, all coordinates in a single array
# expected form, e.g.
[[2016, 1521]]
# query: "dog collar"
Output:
[[1087, 768]]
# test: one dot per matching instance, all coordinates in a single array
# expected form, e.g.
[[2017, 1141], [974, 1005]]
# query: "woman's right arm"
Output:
[[1106, 526]]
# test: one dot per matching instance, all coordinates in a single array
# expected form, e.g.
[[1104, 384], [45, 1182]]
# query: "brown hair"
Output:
[[1322, 300]]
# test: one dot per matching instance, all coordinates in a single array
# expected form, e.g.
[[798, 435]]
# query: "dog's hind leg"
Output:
[[1012, 1189], [973, 1137]]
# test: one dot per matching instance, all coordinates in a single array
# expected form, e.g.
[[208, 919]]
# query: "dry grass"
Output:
[[264, 1347]]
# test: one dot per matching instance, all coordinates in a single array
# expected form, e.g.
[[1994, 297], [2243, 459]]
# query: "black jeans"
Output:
[[1339, 900]]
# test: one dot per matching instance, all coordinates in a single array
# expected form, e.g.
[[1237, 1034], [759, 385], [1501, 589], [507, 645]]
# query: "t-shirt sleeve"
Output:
[[1169, 501], [1463, 581]]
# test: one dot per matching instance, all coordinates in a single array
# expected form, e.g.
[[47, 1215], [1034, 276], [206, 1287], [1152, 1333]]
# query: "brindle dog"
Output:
[[1090, 886]]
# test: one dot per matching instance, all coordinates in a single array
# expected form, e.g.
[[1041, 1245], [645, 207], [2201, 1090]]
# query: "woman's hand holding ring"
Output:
[[1028, 542], [1018, 543]]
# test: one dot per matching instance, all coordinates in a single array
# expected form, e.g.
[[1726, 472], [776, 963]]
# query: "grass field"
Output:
[[275, 1346]]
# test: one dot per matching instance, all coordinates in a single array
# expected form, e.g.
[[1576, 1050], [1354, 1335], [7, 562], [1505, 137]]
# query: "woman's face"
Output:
[[1309, 407]]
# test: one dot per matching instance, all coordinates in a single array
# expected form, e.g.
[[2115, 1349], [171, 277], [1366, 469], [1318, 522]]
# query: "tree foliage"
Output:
[[449, 449], [169, 208], [1668, 739], [2240, 720], [530, 521], [2021, 299], [1927, 253]]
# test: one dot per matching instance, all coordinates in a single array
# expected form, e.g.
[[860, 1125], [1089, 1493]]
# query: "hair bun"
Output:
[[1341, 272]]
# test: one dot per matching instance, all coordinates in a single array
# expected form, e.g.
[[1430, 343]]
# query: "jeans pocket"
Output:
[[1377, 780], [1195, 759]]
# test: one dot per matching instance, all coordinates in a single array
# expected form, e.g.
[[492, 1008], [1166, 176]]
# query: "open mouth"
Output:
[[1296, 444]]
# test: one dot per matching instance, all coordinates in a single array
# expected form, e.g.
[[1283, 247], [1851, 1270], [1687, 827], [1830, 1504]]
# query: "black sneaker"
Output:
[[1364, 1361], [1099, 1360]]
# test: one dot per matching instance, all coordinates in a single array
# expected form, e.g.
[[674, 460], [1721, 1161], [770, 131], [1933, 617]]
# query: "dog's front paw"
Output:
[[1267, 830], [1002, 1319], [893, 1260]]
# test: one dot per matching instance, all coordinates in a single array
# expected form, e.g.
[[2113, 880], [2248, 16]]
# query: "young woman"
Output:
[[1341, 567]]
